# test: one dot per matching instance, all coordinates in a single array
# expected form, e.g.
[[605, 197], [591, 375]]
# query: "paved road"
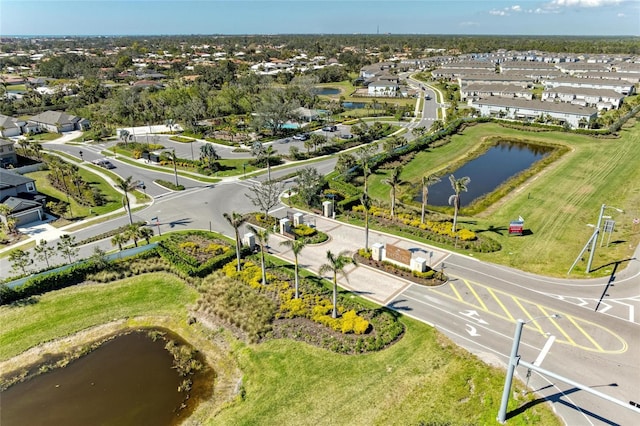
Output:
[[477, 308]]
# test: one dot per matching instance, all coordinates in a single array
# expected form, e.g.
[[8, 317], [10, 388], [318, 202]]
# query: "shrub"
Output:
[[303, 231]]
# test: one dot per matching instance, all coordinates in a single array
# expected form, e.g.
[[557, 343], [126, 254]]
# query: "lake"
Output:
[[487, 172]]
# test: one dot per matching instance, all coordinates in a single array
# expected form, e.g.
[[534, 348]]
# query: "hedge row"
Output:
[[187, 265]]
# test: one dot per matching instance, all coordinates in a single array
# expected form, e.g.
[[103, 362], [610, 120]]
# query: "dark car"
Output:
[[103, 162], [330, 129]]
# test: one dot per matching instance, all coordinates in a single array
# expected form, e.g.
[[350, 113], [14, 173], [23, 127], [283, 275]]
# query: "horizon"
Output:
[[112, 18]]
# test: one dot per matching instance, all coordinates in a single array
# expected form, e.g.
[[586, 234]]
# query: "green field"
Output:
[[557, 204], [422, 378]]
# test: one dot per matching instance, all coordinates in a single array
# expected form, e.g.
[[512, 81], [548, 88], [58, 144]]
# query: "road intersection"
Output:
[[597, 340]]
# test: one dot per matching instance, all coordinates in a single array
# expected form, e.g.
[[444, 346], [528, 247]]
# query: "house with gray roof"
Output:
[[59, 122], [7, 153], [19, 194], [575, 116], [620, 86], [476, 91], [602, 99], [9, 126]]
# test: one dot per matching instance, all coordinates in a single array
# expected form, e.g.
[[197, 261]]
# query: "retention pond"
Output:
[[128, 380], [488, 171]]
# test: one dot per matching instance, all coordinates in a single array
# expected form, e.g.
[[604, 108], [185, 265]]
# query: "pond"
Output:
[[327, 91], [487, 172], [128, 380], [354, 105]]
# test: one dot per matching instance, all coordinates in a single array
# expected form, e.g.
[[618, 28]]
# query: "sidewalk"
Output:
[[365, 281]]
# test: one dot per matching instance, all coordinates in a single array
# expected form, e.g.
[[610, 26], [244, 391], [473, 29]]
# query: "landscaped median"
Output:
[[290, 351]]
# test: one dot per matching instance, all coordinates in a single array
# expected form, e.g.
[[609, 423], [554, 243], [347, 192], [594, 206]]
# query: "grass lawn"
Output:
[[557, 204], [112, 196], [45, 137], [61, 313], [423, 377]]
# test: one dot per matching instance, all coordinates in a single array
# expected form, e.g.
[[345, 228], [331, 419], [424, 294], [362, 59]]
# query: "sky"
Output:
[[153, 17]]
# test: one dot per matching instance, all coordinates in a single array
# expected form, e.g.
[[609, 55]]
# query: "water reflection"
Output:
[[129, 380], [488, 171]]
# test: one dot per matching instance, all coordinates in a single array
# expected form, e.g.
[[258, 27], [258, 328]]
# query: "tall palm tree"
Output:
[[336, 265], [268, 155], [394, 182], [125, 186], [458, 185], [366, 203], [427, 181], [296, 247], [262, 235], [236, 220]]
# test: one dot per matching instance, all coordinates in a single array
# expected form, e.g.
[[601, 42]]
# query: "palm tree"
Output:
[[335, 265], [125, 186], [268, 154], [458, 185], [119, 240], [394, 182], [427, 181], [262, 235], [366, 203], [236, 220], [145, 234], [133, 233], [296, 247]]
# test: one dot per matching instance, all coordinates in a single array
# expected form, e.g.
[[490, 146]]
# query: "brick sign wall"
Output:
[[398, 254]]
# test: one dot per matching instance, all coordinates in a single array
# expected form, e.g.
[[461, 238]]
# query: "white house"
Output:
[[477, 91], [58, 122], [385, 88], [9, 126], [598, 98], [519, 109], [620, 86]]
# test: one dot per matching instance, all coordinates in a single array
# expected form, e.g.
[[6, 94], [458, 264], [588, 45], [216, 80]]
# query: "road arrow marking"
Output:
[[474, 316], [471, 330]]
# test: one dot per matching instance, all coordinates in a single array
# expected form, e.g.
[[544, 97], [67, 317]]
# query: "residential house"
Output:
[[602, 99], [58, 122], [476, 91], [7, 153], [19, 194], [620, 86], [575, 116], [9, 126]]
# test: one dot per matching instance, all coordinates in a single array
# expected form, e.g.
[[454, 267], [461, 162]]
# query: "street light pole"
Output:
[[514, 359]]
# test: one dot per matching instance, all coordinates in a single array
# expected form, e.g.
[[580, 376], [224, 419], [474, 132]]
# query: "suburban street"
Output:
[[477, 308]]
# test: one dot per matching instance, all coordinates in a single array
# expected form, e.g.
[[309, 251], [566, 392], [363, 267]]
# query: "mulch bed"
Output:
[[438, 278]]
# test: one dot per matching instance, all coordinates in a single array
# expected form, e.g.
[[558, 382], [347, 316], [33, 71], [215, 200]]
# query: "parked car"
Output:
[[330, 129], [103, 162], [301, 136], [347, 136]]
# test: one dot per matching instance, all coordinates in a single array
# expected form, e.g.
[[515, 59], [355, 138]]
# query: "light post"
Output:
[[514, 359], [594, 239], [244, 169]]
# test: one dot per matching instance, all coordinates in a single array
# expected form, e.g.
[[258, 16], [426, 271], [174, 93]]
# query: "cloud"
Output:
[[621, 15], [582, 3], [469, 24], [506, 11]]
